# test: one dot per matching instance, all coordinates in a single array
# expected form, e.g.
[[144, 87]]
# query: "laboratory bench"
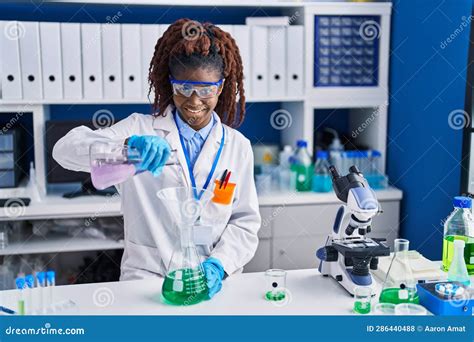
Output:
[[309, 293]]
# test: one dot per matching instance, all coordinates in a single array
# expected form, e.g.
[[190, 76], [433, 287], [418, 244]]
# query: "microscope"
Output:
[[349, 253]]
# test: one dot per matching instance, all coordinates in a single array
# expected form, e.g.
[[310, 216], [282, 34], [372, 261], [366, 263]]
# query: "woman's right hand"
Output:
[[153, 150]]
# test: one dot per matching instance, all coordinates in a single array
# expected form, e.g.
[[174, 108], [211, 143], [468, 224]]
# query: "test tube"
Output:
[[20, 285], [41, 283], [50, 283], [30, 284]]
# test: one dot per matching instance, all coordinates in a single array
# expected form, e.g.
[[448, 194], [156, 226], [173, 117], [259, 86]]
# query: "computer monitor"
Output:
[[55, 130]]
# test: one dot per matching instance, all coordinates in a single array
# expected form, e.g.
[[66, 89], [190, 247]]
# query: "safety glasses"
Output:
[[204, 90]]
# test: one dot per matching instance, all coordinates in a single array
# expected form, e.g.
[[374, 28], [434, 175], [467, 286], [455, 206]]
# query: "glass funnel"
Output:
[[399, 285], [185, 282]]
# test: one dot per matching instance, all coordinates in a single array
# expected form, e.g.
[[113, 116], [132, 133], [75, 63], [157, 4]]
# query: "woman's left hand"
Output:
[[214, 272]]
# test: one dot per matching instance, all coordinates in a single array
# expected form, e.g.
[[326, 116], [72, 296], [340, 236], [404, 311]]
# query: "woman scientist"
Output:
[[195, 80]]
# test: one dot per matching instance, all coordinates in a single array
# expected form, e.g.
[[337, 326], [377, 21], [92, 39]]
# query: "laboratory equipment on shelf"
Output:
[[7, 280], [459, 226], [275, 281], [185, 282], [335, 149], [321, 178], [376, 179], [348, 252], [286, 177], [401, 286], [446, 298], [4, 234], [362, 299], [113, 163], [302, 164], [458, 270]]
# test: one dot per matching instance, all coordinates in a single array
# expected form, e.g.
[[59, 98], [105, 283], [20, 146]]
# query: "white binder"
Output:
[[91, 60], [71, 60], [277, 61], [111, 61], [163, 28], [50, 38], [259, 60], [30, 59], [131, 63], [241, 34], [149, 35], [295, 57], [227, 28], [10, 71]]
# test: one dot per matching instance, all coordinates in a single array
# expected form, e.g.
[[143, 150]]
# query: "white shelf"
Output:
[[55, 206], [59, 244], [308, 198]]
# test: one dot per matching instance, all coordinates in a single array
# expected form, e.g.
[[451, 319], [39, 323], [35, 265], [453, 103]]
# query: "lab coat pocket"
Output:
[[223, 195], [140, 260]]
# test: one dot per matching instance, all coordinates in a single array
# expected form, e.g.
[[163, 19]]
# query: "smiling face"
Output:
[[194, 110]]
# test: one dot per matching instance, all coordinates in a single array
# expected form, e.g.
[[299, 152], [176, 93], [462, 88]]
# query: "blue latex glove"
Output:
[[154, 151], [214, 272]]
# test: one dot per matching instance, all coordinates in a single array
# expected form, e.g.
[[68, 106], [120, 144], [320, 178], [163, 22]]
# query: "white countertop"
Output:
[[241, 294]]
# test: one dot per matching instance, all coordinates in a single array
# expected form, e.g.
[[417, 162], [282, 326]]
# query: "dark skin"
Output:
[[187, 106]]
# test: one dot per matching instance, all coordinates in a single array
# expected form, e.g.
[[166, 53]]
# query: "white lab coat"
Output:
[[150, 235]]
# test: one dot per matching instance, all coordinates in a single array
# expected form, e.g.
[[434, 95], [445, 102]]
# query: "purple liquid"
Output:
[[105, 175]]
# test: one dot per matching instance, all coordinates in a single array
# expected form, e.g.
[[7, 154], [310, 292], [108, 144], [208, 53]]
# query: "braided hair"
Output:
[[190, 44]]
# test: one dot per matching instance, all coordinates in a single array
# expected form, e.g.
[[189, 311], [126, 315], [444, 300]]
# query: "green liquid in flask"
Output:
[[275, 296], [362, 307], [448, 252], [185, 287], [392, 295]]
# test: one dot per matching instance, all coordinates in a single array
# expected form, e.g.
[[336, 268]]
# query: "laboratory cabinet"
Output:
[[290, 235]]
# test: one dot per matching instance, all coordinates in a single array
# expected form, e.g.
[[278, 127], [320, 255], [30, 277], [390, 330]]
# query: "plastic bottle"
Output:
[[4, 233], [457, 269], [321, 179], [286, 177], [32, 187], [6, 277], [303, 166], [459, 226], [335, 150], [375, 178]]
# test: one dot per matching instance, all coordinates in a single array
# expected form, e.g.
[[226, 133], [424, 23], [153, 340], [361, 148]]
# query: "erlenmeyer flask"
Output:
[[399, 285], [113, 163], [185, 282]]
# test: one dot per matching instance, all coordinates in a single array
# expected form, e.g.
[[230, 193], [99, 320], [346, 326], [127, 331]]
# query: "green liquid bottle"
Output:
[[459, 226], [185, 287], [302, 165]]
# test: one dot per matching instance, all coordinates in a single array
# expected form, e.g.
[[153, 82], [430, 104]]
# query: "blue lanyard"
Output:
[[188, 162]]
